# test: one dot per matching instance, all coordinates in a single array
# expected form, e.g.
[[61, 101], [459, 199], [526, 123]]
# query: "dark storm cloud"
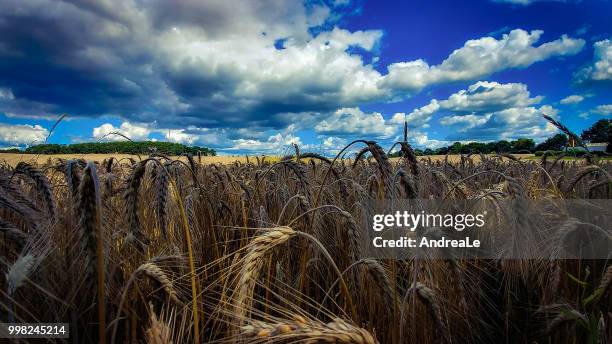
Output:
[[95, 58], [215, 63], [64, 57]]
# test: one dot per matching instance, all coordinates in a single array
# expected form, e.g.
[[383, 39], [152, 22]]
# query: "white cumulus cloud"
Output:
[[6, 93], [605, 109], [275, 144], [136, 132], [353, 121], [486, 111], [479, 58], [22, 134], [180, 136], [231, 72], [480, 97], [601, 69], [508, 124], [421, 139], [225, 64], [466, 122], [420, 117], [329, 145], [573, 99], [484, 96]]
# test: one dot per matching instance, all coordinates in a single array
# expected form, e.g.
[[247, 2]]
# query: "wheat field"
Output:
[[153, 249], [13, 159]]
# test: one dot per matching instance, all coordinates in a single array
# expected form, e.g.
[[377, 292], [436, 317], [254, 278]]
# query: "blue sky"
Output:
[[254, 77]]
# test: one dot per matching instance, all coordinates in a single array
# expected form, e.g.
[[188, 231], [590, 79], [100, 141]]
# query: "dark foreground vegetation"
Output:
[[163, 251]]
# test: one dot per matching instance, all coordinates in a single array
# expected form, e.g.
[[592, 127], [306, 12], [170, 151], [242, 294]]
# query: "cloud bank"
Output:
[[228, 73], [487, 111], [601, 68], [22, 134]]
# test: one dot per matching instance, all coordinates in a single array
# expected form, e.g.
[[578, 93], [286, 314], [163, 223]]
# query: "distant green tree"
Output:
[[124, 147], [442, 150], [10, 150], [600, 131], [523, 145], [556, 142], [474, 147], [455, 148], [503, 146]]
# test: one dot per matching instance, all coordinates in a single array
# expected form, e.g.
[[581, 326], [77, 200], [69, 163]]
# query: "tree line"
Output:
[[600, 131], [123, 147]]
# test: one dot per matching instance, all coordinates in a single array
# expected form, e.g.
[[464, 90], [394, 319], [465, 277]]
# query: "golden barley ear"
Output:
[[42, 186], [585, 171], [154, 272], [606, 280], [431, 300], [408, 153], [353, 236], [303, 330], [160, 201], [565, 130], [136, 235], [159, 332], [92, 239], [408, 184], [13, 234], [252, 264], [376, 272]]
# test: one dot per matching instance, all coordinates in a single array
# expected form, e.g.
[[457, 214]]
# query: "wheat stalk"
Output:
[[18, 272], [606, 279], [131, 197], [158, 332], [409, 185], [376, 272], [307, 331], [154, 272], [584, 172], [16, 276], [92, 238], [161, 198], [565, 130], [252, 264], [409, 155], [13, 234], [151, 270], [42, 185], [430, 299], [353, 236]]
